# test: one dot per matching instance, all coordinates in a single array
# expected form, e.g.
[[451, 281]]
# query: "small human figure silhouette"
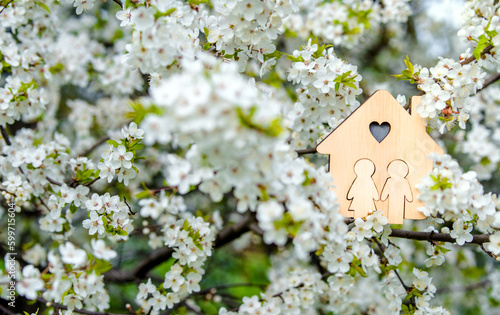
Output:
[[363, 192], [397, 189]]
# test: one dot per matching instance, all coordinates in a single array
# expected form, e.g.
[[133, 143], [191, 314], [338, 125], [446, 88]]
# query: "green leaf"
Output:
[[409, 295], [409, 64], [43, 6], [73, 208], [294, 59], [139, 111], [121, 232], [274, 129], [101, 266], [481, 45], [404, 308], [26, 86], [143, 194], [276, 54], [361, 272], [159, 14], [352, 272], [485, 161], [113, 143]]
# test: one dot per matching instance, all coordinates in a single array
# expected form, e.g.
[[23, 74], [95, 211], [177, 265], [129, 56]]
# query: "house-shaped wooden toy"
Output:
[[377, 156]]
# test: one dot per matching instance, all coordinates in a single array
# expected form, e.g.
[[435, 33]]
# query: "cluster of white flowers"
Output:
[[245, 29], [483, 148], [119, 157], [29, 170], [450, 84], [299, 291], [394, 292], [436, 253], [72, 287], [481, 143], [288, 195], [192, 240], [457, 197], [217, 140], [326, 94], [107, 214], [346, 22], [30, 283], [58, 55], [481, 27], [370, 226], [19, 98], [69, 279], [448, 87], [297, 288], [84, 116], [422, 283], [163, 33], [25, 165]]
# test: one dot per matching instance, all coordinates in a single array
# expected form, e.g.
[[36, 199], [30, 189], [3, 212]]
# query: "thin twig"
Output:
[[438, 237], [54, 182], [93, 181], [129, 209], [118, 2], [488, 252], [6, 6], [92, 148], [407, 288], [306, 151], [5, 135], [80, 311], [158, 190], [472, 58], [4, 309]]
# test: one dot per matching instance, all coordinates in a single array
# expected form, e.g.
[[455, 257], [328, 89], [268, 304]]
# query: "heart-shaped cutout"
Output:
[[380, 131]]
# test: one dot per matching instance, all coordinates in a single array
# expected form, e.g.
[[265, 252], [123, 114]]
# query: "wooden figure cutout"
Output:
[[363, 192], [397, 189], [381, 131]]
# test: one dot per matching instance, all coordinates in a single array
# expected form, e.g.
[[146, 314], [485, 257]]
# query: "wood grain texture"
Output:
[[406, 141]]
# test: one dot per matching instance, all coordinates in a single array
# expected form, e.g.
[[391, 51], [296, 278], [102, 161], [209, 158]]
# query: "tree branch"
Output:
[[5, 310], [438, 237], [488, 252], [472, 58], [487, 50], [160, 189], [53, 182], [5, 135], [473, 286], [63, 307], [156, 258], [306, 151], [92, 148], [490, 81], [6, 7]]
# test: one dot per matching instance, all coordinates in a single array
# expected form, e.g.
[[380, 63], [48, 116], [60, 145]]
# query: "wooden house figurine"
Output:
[[377, 156]]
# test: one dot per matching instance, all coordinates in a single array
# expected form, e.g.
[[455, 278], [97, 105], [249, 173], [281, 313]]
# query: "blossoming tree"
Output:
[[157, 157]]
